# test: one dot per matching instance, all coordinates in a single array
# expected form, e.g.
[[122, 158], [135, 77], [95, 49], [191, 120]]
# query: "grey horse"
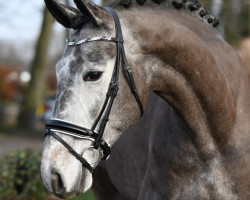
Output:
[[193, 141]]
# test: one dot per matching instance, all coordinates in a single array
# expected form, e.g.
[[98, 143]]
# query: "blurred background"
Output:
[[31, 42]]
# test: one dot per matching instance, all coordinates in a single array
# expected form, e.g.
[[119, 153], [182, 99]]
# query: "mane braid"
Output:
[[194, 7]]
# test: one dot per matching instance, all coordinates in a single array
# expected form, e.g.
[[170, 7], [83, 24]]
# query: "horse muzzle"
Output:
[[62, 174]]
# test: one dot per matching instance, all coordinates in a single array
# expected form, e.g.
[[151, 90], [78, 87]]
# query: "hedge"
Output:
[[20, 177]]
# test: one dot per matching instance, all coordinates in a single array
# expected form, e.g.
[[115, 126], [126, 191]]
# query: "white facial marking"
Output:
[[78, 101]]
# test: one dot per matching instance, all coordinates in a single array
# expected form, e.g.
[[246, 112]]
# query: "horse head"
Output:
[[78, 135]]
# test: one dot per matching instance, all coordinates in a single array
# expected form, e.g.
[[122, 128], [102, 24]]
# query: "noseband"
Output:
[[74, 130]]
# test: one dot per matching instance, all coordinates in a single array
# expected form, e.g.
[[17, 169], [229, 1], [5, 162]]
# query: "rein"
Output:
[[77, 131]]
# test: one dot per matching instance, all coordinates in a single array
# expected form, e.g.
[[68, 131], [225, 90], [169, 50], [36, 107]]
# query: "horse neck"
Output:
[[188, 64]]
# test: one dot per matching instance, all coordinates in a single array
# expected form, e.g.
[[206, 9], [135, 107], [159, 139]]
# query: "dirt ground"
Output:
[[15, 139], [10, 143]]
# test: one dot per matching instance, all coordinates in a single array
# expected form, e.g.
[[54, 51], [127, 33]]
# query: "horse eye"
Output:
[[92, 76]]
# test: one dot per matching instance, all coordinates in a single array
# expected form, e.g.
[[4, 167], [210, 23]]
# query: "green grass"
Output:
[[89, 195]]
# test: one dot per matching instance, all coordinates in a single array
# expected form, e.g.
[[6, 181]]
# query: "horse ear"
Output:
[[95, 12], [68, 16]]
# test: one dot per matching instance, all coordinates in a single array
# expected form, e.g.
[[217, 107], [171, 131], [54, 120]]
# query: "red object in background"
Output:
[[10, 85], [47, 107]]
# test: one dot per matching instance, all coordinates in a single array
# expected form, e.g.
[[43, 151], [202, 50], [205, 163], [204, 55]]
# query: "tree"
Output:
[[36, 88], [234, 18], [216, 7]]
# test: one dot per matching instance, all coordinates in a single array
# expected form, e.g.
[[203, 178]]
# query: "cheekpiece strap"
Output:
[[127, 67]]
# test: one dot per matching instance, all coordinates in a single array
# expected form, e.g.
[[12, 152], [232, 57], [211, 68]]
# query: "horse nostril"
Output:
[[57, 183], [59, 187]]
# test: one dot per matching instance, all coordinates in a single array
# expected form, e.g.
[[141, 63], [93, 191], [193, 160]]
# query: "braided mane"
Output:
[[194, 7]]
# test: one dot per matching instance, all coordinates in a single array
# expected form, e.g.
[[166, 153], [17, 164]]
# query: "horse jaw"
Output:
[[62, 174]]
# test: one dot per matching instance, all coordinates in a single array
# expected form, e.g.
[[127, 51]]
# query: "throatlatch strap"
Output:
[[132, 82]]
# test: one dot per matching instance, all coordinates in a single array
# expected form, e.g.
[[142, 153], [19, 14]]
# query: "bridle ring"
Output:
[[92, 148]]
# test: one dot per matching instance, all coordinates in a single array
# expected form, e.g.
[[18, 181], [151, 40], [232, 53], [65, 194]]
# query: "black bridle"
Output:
[[74, 130]]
